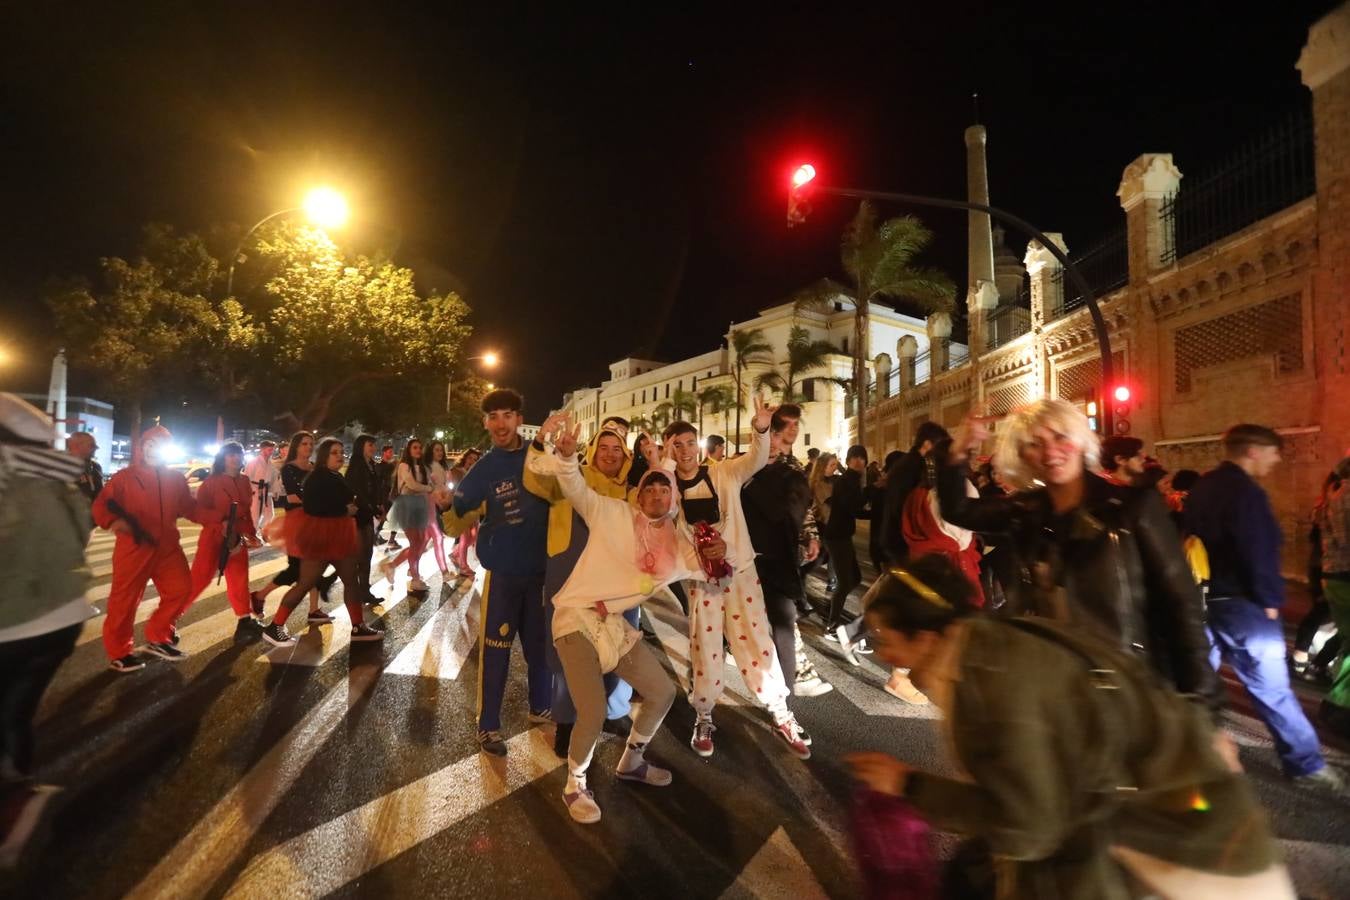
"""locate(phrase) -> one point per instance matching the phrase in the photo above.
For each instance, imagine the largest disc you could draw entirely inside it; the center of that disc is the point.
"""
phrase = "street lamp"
(490, 359)
(324, 206)
(803, 182)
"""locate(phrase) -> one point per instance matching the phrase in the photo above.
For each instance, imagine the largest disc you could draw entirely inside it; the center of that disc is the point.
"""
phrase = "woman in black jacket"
(1084, 551)
(364, 481)
(324, 533)
(294, 471)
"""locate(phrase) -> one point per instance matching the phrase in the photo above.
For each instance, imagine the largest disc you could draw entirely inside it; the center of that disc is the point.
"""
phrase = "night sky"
(599, 185)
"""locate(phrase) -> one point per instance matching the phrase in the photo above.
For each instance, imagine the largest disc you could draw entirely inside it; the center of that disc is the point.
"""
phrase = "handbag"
(894, 848)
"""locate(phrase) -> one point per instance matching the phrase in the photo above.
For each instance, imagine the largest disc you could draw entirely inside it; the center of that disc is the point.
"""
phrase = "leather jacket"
(1113, 565)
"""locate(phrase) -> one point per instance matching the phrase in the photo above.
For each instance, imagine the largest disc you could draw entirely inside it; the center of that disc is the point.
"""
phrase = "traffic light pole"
(1098, 323)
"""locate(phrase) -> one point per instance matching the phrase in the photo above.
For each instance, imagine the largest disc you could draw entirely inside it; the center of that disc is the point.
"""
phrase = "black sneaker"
(247, 629)
(277, 635)
(562, 739)
(129, 663)
(364, 632)
(622, 726)
(173, 635)
(491, 742)
(167, 651)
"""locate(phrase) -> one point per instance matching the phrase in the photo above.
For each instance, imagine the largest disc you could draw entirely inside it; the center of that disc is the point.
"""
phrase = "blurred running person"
(44, 525)
(438, 468)
(464, 543)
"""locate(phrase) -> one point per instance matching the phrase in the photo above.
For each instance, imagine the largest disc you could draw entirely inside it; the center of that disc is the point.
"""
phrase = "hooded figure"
(142, 504)
(636, 550)
(567, 536)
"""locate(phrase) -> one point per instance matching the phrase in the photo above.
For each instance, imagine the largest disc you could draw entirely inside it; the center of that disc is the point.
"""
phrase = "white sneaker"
(812, 687)
(845, 645)
(582, 807)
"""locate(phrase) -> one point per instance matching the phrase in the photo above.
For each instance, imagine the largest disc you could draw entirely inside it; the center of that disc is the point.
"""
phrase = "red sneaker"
(792, 736)
(701, 742)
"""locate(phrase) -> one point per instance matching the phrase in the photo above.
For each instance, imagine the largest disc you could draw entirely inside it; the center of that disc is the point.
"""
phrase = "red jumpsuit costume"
(157, 498)
(213, 510)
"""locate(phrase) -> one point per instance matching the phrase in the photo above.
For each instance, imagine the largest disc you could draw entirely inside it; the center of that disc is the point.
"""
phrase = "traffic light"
(798, 207)
(1122, 396)
(1094, 422)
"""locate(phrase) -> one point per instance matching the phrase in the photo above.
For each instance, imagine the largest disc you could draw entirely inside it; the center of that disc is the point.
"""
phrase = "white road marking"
(196, 862)
(776, 872)
(343, 849)
(441, 646)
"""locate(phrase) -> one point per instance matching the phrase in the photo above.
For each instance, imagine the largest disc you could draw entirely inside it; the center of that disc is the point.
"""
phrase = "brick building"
(1227, 299)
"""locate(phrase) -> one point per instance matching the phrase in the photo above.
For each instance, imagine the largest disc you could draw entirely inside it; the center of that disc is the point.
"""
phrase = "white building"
(636, 387)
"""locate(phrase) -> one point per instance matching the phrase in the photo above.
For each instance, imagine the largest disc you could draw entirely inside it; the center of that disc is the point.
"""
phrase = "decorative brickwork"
(1271, 328)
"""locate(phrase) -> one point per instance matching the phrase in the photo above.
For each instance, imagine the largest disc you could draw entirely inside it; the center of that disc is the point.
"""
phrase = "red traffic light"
(798, 207)
(1122, 394)
(803, 174)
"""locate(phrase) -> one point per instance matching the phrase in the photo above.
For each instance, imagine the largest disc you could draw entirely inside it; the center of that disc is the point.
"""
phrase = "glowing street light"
(326, 207)
(323, 206)
(489, 359)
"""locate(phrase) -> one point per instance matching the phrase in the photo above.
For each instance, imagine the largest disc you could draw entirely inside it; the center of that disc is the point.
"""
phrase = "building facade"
(653, 393)
(1226, 299)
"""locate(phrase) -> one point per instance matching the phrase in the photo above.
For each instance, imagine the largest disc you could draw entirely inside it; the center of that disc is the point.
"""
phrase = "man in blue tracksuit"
(512, 546)
(1230, 513)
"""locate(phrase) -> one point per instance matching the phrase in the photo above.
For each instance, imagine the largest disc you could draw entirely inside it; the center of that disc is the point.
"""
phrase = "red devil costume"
(213, 511)
(150, 499)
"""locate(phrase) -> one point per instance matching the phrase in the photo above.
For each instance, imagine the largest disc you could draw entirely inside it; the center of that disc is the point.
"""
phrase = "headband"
(920, 588)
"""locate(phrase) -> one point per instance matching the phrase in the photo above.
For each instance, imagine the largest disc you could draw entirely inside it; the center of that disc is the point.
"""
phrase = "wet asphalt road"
(352, 771)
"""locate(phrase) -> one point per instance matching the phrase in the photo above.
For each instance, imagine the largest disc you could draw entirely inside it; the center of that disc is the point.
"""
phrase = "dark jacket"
(1113, 565)
(90, 481)
(1231, 515)
(905, 476)
(847, 502)
(326, 494)
(1092, 751)
(292, 482)
(364, 482)
(775, 501)
(384, 484)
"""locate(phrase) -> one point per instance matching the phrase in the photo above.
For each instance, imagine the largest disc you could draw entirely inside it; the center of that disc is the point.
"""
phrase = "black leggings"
(27, 667)
(847, 575)
(782, 612)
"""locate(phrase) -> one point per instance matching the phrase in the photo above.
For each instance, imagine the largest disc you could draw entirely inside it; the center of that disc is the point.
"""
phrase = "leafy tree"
(336, 332)
(638, 424)
(749, 347)
(803, 355)
(139, 327)
(879, 262)
(715, 399)
(662, 414)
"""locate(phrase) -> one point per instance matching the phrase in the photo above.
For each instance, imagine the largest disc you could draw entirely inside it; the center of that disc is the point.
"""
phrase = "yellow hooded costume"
(540, 481)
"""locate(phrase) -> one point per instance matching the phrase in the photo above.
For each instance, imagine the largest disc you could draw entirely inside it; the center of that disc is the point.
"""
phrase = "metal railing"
(1005, 324)
(1105, 267)
(1269, 173)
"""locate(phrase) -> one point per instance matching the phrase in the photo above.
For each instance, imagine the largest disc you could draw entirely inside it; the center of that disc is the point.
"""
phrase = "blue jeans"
(1253, 645)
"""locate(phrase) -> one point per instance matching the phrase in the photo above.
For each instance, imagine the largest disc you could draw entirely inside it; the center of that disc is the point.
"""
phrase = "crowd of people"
(1065, 603)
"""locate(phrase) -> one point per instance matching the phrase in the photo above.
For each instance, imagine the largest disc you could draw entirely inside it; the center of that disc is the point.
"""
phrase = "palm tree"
(717, 399)
(879, 261)
(661, 415)
(803, 355)
(639, 424)
(683, 404)
(749, 347)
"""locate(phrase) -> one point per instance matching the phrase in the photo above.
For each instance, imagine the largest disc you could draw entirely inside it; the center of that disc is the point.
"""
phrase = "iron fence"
(1105, 267)
(1269, 173)
(1005, 324)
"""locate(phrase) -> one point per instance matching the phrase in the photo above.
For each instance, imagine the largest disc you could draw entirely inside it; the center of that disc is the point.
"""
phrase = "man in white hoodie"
(633, 551)
(733, 607)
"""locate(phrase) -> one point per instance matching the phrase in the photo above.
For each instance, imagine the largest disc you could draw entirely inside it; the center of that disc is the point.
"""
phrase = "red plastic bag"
(894, 848)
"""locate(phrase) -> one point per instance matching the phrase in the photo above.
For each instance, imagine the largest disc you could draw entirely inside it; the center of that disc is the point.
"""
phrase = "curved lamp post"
(323, 205)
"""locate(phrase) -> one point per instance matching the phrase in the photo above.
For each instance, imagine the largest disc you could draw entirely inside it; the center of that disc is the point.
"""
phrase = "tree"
(749, 347)
(639, 424)
(139, 328)
(332, 325)
(803, 355)
(661, 415)
(879, 261)
(717, 398)
(683, 404)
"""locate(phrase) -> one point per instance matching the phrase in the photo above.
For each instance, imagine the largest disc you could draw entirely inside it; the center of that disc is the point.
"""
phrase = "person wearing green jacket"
(44, 524)
(1086, 775)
